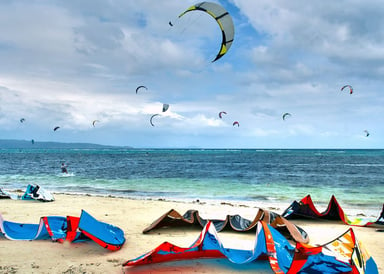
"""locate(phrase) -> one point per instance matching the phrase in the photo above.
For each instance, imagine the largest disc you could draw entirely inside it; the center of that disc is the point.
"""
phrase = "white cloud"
(72, 62)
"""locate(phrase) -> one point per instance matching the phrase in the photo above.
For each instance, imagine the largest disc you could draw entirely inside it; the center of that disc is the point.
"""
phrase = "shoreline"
(45, 256)
(352, 211)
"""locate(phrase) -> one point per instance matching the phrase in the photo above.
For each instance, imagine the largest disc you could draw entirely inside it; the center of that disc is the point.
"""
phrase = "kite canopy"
(236, 124)
(32, 192)
(56, 128)
(285, 115)
(221, 114)
(345, 254)
(94, 122)
(366, 133)
(232, 222)
(165, 107)
(140, 87)
(22, 120)
(307, 210)
(61, 229)
(150, 120)
(348, 86)
(224, 20)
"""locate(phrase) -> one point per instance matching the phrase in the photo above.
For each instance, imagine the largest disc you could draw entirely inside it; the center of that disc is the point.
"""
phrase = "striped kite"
(223, 18)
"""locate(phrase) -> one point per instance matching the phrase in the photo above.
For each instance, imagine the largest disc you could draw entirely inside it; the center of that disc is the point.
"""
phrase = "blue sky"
(67, 63)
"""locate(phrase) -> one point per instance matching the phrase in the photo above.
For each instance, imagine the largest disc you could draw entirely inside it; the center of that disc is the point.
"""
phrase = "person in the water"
(64, 168)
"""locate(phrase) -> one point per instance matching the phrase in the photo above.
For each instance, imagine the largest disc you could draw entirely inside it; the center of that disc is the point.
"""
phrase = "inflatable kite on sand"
(345, 254)
(306, 209)
(232, 222)
(60, 229)
(33, 192)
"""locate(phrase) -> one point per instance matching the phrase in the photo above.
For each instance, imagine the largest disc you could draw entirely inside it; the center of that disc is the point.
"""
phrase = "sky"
(68, 63)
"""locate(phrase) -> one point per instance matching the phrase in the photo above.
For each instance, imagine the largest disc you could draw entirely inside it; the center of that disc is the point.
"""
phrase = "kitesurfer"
(64, 168)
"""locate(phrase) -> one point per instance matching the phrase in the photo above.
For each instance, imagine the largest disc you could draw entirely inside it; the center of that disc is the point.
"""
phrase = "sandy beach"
(45, 256)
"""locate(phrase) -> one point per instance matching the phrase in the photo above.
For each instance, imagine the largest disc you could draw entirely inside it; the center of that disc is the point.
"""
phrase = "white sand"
(44, 256)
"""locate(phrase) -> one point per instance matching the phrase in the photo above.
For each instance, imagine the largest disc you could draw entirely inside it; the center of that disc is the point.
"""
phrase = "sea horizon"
(24, 143)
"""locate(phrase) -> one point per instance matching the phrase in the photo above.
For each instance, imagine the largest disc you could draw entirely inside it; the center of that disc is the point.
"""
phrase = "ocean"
(254, 177)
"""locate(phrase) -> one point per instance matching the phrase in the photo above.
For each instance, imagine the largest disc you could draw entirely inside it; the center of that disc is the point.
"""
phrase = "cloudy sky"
(68, 63)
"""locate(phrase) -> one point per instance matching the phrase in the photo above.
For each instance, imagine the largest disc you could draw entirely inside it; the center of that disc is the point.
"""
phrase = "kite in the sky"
(348, 86)
(221, 114)
(56, 128)
(140, 87)
(285, 115)
(236, 123)
(366, 133)
(165, 107)
(22, 120)
(223, 18)
(94, 122)
(150, 120)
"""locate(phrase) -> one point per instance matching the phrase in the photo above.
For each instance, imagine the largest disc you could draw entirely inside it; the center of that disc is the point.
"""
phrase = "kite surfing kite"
(66, 229)
(56, 128)
(305, 209)
(345, 254)
(236, 223)
(94, 122)
(22, 120)
(285, 115)
(150, 120)
(32, 192)
(348, 86)
(236, 123)
(223, 19)
(221, 114)
(366, 133)
(140, 87)
(165, 107)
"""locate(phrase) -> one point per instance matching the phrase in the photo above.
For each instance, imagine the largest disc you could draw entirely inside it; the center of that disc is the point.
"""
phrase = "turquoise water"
(257, 177)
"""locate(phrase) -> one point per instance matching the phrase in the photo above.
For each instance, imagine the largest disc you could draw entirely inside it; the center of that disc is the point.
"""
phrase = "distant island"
(19, 144)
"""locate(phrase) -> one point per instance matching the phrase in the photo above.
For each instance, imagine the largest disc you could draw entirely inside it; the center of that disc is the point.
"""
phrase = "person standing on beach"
(64, 168)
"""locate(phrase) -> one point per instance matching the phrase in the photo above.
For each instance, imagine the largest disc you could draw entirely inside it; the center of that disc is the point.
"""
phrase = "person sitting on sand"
(64, 168)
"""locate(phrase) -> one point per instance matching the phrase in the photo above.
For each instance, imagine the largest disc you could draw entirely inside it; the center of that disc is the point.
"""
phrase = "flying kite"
(94, 122)
(223, 18)
(221, 114)
(165, 107)
(366, 133)
(150, 120)
(285, 115)
(236, 123)
(56, 128)
(348, 86)
(139, 87)
(22, 120)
